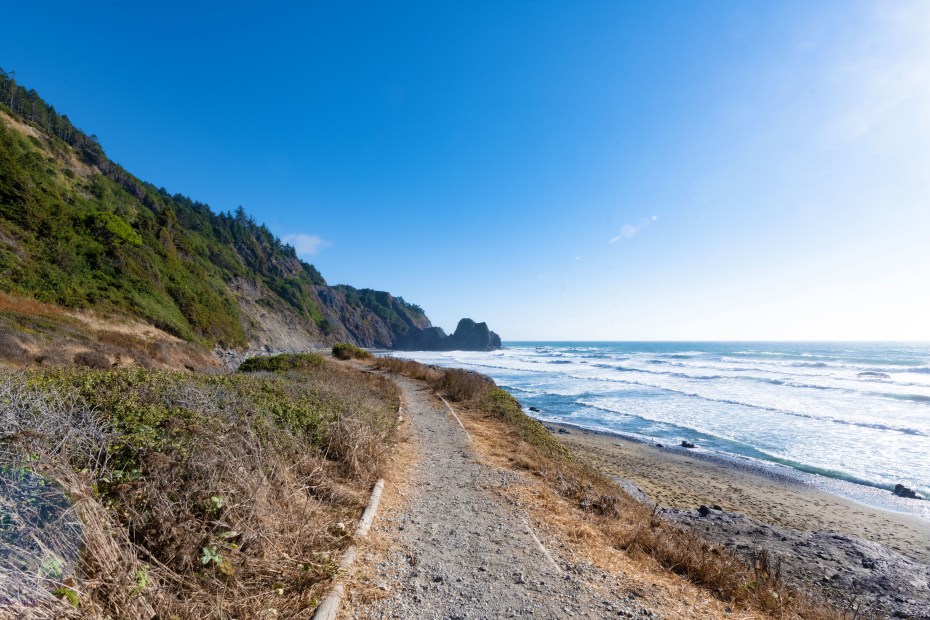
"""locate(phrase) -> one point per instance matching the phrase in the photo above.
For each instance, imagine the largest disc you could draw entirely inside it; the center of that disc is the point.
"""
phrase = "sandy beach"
(681, 479)
(860, 557)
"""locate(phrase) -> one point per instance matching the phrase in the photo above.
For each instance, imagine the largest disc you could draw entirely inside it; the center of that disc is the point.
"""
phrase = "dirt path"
(457, 550)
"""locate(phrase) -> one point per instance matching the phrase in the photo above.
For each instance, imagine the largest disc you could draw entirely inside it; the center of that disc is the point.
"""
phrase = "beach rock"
(536, 409)
(687, 444)
(902, 491)
(564, 432)
(870, 374)
(884, 582)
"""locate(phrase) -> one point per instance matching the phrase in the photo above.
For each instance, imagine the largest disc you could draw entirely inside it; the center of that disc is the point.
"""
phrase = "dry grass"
(603, 509)
(27, 306)
(409, 368)
(362, 588)
(34, 333)
(224, 496)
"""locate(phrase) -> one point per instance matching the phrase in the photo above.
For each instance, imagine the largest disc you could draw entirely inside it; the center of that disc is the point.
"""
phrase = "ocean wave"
(717, 377)
(803, 408)
(797, 414)
(831, 359)
(916, 398)
(778, 382)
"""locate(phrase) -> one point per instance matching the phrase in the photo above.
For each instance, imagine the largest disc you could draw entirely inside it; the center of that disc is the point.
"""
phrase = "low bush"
(348, 351)
(92, 359)
(409, 368)
(283, 362)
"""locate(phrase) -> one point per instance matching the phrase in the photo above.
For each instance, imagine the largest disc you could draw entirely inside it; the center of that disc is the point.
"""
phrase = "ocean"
(852, 418)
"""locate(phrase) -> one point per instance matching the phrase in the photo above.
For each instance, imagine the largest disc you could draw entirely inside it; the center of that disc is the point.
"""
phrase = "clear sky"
(563, 170)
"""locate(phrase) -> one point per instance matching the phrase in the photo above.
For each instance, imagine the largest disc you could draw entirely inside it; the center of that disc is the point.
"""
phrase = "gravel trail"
(460, 551)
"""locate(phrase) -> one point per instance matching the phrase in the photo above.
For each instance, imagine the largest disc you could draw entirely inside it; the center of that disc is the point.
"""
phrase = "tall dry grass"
(193, 496)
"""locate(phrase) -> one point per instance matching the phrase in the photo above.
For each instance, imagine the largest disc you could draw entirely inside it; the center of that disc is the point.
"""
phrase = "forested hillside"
(79, 231)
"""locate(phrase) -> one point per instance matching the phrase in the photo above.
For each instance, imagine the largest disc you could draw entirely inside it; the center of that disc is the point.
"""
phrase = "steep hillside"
(80, 232)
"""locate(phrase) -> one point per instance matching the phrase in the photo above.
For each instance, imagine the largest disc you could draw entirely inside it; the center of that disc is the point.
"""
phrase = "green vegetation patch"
(348, 351)
(282, 363)
(501, 404)
(106, 239)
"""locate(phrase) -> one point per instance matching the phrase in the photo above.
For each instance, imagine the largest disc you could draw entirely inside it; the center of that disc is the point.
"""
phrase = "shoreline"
(861, 493)
(848, 552)
(683, 479)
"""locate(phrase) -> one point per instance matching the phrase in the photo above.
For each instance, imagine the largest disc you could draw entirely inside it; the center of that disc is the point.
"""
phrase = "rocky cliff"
(79, 232)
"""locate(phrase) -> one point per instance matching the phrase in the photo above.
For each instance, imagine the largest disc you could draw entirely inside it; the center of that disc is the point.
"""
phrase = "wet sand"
(681, 479)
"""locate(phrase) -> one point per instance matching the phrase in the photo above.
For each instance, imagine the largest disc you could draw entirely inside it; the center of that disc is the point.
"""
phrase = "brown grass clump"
(197, 496)
(629, 525)
(27, 306)
(33, 333)
(409, 368)
(462, 385)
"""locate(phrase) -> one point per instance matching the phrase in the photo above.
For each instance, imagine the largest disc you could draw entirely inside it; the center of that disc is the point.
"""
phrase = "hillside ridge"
(80, 232)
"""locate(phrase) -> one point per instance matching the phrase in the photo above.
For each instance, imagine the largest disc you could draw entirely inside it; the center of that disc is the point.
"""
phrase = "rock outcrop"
(468, 336)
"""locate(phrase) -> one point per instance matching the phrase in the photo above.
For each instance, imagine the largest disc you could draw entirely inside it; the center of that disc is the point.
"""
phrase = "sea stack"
(468, 336)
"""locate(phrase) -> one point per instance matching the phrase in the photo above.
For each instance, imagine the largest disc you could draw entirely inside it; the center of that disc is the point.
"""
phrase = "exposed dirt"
(68, 156)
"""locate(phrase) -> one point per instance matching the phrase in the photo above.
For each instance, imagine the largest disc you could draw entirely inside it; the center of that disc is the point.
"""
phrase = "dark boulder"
(687, 444)
(536, 409)
(902, 491)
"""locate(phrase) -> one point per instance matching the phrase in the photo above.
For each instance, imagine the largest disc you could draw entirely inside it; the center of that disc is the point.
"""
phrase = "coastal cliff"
(80, 233)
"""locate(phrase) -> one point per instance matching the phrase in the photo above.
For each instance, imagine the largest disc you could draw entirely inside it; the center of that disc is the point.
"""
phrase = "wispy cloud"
(630, 230)
(305, 245)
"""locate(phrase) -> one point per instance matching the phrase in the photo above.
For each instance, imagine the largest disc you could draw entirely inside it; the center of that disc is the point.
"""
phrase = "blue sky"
(562, 170)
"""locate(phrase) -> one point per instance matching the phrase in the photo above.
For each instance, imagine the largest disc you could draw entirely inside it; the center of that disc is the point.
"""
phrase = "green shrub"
(283, 362)
(503, 405)
(348, 351)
